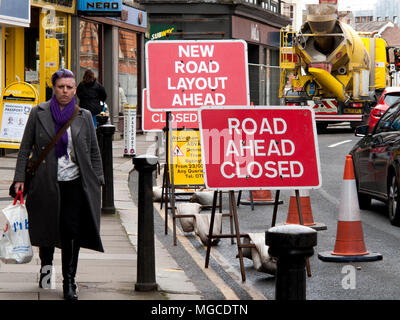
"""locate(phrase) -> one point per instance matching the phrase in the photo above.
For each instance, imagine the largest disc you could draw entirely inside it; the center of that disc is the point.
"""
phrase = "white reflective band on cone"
(348, 207)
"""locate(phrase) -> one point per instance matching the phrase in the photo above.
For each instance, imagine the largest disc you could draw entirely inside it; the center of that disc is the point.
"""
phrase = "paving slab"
(101, 276)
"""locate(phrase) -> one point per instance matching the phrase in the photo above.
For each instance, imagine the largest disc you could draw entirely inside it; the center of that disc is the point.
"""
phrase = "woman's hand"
(19, 186)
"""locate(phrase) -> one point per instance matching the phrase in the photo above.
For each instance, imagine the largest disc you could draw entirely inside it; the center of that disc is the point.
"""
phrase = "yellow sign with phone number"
(186, 158)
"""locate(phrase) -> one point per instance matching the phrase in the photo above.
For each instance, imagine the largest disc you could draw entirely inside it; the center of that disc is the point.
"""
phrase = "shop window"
(89, 47)
(127, 68)
(53, 53)
(56, 46)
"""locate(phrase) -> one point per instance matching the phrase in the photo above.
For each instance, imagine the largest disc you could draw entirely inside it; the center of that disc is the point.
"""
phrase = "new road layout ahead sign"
(249, 148)
(188, 74)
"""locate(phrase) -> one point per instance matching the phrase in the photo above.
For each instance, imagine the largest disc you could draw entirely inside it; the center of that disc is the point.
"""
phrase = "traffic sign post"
(185, 168)
(185, 75)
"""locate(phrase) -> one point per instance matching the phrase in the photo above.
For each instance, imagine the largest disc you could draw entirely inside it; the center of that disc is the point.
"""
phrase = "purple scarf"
(61, 117)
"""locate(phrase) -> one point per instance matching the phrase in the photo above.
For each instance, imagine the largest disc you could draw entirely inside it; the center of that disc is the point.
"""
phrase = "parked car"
(389, 96)
(376, 159)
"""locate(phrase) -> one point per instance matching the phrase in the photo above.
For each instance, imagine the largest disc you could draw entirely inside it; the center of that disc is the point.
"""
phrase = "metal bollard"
(146, 274)
(291, 245)
(105, 134)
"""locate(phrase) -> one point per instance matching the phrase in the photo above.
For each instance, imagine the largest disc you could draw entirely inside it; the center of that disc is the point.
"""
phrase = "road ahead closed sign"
(248, 148)
(185, 75)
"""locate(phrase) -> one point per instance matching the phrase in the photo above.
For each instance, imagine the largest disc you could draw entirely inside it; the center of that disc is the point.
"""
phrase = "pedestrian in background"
(90, 93)
(122, 100)
(64, 196)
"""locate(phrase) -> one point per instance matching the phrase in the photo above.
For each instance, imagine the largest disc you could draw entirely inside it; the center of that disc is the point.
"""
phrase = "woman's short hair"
(88, 76)
(62, 73)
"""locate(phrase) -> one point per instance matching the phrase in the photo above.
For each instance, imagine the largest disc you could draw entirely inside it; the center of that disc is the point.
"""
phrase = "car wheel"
(364, 201)
(393, 201)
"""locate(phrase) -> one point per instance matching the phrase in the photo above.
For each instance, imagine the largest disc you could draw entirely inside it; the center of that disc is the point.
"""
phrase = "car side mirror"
(361, 131)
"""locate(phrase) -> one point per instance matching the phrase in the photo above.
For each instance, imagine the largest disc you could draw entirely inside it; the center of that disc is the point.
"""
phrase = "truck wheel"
(321, 127)
(393, 201)
(354, 125)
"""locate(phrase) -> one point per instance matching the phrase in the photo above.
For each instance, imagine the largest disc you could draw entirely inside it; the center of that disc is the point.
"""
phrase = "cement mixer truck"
(329, 66)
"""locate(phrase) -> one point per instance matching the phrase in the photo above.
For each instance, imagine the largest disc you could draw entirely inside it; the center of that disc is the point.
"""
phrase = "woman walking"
(91, 94)
(64, 196)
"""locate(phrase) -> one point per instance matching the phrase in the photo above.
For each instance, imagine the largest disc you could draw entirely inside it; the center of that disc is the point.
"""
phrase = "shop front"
(257, 24)
(263, 58)
(15, 17)
(17, 98)
(113, 47)
(41, 48)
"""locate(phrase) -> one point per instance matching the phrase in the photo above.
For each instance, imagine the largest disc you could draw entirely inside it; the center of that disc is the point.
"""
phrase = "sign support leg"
(276, 203)
(171, 171)
(238, 199)
(236, 221)
(166, 171)
(251, 200)
(173, 211)
(166, 197)
(210, 232)
(163, 188)
(231, 224)
(301, 222)
(236, 234)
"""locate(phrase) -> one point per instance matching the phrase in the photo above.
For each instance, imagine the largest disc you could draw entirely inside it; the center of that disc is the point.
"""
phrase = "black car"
(376, 159)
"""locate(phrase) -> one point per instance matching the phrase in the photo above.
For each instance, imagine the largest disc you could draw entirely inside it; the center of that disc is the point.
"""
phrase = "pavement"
(101, 276)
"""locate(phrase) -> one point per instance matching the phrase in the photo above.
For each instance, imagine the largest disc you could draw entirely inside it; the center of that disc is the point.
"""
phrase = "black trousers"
(73, 216)
(73, 210)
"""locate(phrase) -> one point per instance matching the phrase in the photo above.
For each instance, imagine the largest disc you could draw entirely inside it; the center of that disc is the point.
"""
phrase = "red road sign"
(156, 121)
(248, 148)
(188, 74)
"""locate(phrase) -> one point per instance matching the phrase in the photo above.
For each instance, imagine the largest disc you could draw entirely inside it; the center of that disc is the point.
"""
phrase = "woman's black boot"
(69, 259)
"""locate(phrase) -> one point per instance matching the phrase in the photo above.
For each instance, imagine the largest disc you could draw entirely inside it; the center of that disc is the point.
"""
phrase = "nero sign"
(259, 148)
(100, 8)
(185, 75)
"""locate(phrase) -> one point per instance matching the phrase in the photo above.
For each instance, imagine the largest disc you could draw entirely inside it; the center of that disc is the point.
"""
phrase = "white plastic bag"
(15, 245)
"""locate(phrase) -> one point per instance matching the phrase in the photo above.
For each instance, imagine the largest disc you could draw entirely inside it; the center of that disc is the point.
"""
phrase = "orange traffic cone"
(261, 195)
(258, 197)
(349, 244)
(305, 203)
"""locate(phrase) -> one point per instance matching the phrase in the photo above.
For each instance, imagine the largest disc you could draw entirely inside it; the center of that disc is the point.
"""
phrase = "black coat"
(90, 95)
(43, 199)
